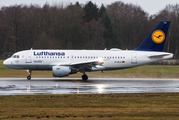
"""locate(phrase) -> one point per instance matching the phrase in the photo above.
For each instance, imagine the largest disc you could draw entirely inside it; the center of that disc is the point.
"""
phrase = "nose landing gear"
(29, 76)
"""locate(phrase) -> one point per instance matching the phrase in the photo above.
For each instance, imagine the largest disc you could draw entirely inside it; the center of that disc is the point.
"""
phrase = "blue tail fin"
(155, 41)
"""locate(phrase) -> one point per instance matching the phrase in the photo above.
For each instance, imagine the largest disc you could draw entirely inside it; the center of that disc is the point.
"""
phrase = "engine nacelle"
(97, 68)
(61, 71)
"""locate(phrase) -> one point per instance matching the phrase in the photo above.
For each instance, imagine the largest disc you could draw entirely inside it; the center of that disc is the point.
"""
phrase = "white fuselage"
(112, 59)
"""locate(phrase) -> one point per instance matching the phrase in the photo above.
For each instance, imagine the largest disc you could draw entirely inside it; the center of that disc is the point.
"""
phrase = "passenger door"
(29, 57)
(134, 58)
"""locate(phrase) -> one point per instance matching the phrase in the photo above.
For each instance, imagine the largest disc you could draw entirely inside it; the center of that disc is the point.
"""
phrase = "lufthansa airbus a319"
(66, 62)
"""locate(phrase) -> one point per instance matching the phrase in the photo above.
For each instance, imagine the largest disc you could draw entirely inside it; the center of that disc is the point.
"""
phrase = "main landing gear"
(29, 76)
(84, 77)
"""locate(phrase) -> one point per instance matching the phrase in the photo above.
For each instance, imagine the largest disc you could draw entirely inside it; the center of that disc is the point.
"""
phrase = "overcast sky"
(150, 6)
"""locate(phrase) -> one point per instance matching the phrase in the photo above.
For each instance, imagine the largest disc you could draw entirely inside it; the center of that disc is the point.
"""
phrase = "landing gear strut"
(29, 76)
(85, 77)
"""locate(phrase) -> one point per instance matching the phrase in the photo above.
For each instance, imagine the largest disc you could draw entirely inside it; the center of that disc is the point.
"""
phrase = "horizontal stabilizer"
(160, 55)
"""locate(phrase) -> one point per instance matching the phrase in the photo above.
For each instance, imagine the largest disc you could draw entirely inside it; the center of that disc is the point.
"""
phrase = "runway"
(21, 86)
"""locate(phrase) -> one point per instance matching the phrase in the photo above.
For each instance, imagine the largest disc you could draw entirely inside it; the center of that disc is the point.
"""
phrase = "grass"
(91, 106)
(146, 71)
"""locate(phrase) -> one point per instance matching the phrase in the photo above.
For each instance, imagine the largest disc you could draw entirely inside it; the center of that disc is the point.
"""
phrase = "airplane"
(66, 62)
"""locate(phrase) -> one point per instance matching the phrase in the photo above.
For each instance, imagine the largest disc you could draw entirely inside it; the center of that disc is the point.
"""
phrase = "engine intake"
(61, 71)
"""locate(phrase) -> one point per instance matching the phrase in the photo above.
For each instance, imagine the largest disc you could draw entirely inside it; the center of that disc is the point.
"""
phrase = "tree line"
(78, 26)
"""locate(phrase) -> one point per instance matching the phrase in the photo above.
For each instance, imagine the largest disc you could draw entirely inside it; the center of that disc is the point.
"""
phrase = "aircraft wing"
(94, 62)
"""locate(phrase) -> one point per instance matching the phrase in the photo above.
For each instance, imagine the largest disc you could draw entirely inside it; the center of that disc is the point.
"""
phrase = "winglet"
(155, 41)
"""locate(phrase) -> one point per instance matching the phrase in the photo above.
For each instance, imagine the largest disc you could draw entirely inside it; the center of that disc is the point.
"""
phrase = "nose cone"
(6, 63)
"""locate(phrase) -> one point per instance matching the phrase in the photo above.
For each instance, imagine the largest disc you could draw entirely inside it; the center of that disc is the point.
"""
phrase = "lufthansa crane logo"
(158, 36)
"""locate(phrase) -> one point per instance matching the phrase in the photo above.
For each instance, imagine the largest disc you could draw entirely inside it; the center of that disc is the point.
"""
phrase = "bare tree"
(94, 34)
(129, 21)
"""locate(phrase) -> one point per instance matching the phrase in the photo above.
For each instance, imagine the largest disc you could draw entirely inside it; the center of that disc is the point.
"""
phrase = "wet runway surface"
(21, 86)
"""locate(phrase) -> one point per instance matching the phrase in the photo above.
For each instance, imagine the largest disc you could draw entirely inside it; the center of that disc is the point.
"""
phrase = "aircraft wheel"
(85, 77)
(28, 77)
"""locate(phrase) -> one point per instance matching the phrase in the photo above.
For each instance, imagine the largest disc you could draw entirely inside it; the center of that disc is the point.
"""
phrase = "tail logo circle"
(158, 36)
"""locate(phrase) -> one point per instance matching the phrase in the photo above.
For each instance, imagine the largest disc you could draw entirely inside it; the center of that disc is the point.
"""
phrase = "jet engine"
(62, 71)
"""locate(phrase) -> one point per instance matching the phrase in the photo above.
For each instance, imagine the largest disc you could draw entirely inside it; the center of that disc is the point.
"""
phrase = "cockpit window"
(15, 56)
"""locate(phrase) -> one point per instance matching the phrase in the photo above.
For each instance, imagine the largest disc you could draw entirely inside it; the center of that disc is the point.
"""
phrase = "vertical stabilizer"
(155, 41)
